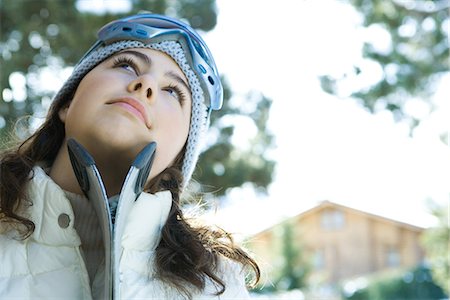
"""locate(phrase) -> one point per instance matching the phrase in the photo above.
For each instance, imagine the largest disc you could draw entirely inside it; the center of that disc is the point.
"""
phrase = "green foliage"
(54, 34)
(223, 161)
(416, 284)
(417, 56)
(200, 13)
(293, 271)
(436, 241)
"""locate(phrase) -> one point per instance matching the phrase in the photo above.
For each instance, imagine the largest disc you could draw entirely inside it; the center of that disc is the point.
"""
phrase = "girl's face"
(134, 97)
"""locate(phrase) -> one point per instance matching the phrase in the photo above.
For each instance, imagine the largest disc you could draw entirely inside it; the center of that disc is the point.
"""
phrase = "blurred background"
(330, 158)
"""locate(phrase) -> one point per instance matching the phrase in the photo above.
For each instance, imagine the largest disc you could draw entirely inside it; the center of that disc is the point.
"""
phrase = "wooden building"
(340, 243)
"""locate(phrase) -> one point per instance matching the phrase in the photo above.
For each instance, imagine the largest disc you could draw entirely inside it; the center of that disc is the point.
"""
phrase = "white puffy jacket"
(49, 264)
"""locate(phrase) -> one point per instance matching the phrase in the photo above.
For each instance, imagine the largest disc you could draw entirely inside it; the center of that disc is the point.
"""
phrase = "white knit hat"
(199, 113)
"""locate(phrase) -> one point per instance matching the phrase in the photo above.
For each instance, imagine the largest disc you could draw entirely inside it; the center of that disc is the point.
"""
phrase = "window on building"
(392, 257)
(332, 219)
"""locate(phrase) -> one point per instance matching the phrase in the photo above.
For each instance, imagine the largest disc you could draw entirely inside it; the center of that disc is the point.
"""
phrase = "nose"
(143, 86)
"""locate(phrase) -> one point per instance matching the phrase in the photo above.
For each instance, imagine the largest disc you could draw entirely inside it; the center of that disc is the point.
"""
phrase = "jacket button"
(63, 220)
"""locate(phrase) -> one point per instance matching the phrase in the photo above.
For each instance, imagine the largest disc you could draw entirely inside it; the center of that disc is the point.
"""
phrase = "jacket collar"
(53, 216)
(51, 212)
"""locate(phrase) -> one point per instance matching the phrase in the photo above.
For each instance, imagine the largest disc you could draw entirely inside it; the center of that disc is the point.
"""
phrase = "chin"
(125, 146)
(113, 144)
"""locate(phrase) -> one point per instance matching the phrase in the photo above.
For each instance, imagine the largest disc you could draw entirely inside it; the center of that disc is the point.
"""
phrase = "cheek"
(94, 84)
(93, 89)
(171, 137)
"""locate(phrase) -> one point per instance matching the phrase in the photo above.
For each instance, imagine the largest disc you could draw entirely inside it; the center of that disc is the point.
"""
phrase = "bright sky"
(327, 148)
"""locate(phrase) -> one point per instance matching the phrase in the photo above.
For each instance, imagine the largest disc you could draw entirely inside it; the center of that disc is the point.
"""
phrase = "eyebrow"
(139, 55)
(178, 79)
(147, 60)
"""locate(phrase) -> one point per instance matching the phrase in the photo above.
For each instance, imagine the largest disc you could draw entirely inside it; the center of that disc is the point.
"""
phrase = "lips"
(133, 106)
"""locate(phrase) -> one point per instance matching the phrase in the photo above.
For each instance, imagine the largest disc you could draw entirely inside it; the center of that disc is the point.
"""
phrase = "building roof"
(326, 204)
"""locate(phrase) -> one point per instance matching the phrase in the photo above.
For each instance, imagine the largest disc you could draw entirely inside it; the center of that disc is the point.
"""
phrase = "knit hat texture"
(198, 124)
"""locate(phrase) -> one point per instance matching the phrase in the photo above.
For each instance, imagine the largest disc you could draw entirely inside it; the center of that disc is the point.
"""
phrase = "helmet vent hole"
(211, 80)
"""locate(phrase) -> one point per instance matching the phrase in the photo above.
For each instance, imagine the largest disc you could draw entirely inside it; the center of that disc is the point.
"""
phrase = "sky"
(327, 148)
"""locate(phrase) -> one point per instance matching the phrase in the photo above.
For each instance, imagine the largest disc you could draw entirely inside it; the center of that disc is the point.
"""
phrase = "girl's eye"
(126, 63)
(176, 92)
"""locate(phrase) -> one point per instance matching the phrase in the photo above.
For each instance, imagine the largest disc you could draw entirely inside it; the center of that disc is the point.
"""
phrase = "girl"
(148, 78)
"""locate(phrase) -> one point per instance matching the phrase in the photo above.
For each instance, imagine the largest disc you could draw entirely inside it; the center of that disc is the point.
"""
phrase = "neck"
(111, 170)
